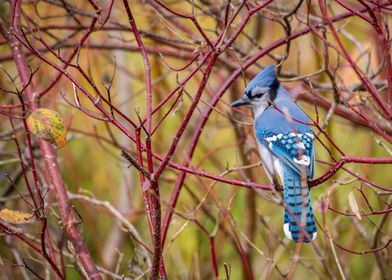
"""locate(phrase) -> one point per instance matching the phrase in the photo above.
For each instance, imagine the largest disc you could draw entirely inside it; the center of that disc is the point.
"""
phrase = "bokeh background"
(239, 225)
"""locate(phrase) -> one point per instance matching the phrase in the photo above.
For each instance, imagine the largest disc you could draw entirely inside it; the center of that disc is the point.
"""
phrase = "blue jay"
(285, 140)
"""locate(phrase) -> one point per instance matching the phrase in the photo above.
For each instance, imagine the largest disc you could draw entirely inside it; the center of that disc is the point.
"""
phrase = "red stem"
(48, 152)
(364, 79)
(158, 267)
(204, 117)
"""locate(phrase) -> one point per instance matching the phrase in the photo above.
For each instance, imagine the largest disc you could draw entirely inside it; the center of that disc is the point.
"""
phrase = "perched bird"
(285, 140)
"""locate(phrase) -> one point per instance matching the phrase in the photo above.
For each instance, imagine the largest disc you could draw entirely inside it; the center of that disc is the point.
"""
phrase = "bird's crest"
(264, 79)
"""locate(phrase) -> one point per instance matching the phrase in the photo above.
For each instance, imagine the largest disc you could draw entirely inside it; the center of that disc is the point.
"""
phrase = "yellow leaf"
(47, 125)
(354, 205)
(15, 217)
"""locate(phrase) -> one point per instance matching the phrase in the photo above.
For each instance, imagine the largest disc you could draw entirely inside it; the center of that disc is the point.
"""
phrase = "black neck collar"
(273, 92)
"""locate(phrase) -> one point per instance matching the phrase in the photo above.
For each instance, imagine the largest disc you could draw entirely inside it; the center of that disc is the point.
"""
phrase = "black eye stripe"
(248, 93)
(258, 95)
(271, 90)
(261, 92)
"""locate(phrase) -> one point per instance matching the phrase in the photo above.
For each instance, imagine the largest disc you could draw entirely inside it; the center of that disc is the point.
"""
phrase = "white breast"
(271, 164)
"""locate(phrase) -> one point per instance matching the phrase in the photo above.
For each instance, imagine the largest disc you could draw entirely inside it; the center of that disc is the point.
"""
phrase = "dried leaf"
(47, 125)
(15, 217)
(354, 205)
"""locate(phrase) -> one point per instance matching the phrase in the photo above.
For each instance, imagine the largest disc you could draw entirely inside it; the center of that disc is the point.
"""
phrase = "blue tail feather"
(297, 201)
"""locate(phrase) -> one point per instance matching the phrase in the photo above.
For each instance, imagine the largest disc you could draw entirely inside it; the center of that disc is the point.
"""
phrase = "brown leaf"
(354, 205)
(16, 217)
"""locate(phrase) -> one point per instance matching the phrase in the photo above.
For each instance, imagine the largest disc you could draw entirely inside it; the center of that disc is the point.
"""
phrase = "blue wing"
(288, 140)
(292, 149)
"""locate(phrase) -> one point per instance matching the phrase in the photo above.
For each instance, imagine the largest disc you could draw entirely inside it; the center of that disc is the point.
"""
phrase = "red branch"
(48, 153)
(157, 266)
(211, 54)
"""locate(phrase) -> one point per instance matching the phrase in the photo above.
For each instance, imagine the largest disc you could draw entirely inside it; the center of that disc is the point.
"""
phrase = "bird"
(285, 139)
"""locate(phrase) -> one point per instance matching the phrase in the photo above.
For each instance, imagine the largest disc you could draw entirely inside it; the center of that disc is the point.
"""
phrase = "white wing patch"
(299, 145)
(272, 138)
(280, 135)
(310, 135)
(292, 141)
(303, 160)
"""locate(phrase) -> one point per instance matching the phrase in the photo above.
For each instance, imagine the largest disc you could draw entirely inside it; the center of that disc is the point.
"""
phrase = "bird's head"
(261, 91)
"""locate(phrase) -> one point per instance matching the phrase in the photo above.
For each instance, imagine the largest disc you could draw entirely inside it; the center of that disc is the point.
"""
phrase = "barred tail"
(297, 201)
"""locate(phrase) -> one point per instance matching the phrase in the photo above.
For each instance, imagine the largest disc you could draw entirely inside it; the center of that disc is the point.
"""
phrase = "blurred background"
(85, 63)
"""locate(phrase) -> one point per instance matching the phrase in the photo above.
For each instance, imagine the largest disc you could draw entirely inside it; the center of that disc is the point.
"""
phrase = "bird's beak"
(244, 100)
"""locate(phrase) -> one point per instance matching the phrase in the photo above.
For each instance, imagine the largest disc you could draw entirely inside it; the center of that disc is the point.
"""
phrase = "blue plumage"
(265, 78)
(287, 118)
(285, 139)
(298, 205)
